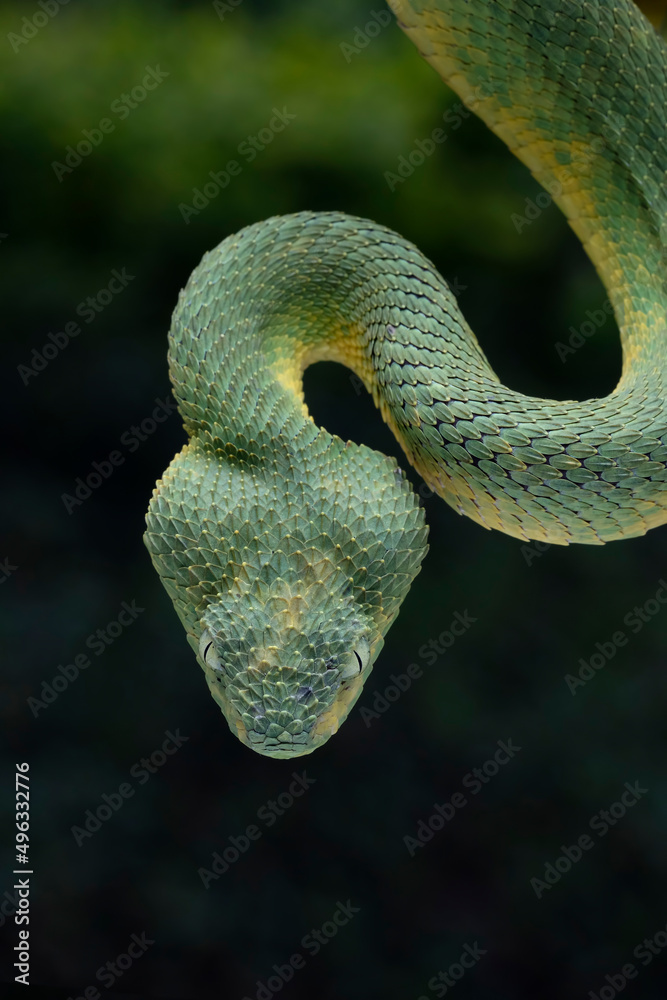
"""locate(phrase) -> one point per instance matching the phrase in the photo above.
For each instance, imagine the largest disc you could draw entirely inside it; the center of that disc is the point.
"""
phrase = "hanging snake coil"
(286, 551)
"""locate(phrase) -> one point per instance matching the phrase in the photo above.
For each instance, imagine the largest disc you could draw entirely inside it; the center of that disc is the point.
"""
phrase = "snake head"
(286, 679)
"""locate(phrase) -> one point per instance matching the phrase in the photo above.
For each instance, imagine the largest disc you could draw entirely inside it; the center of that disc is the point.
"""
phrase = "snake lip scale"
(286, 551)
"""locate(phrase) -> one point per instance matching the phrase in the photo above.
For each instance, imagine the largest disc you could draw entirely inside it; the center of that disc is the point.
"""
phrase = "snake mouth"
(301, 723)
(289, 710)
(282, 744)
(280, 750)
(284, 751)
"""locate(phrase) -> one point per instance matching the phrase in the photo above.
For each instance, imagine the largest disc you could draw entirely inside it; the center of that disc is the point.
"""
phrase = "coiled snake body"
(286, 551)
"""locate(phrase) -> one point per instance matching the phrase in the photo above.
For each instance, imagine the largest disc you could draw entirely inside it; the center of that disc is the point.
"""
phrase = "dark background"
(537, 612)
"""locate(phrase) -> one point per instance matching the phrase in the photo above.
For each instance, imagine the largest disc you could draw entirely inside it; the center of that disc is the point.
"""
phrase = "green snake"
(286, 551)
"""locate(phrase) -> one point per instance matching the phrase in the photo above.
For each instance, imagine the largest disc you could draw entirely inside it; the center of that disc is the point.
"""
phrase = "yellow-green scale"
(287, 552)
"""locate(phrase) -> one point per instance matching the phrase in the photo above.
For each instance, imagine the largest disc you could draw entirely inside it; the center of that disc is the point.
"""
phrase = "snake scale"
(286, 551)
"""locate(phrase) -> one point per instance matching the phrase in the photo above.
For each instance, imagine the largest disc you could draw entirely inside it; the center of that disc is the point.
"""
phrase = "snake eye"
(357, 661)
(207, 651)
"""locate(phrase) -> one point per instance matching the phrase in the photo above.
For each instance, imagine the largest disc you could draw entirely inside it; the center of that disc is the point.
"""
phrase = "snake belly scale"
(286, 551)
